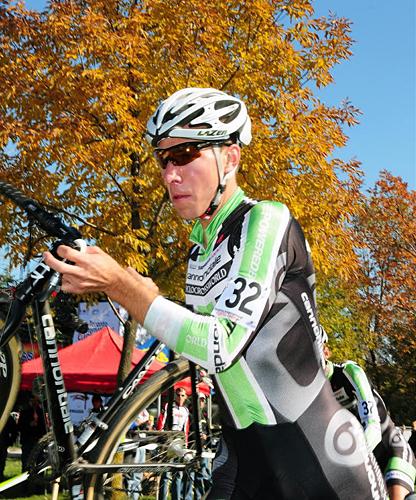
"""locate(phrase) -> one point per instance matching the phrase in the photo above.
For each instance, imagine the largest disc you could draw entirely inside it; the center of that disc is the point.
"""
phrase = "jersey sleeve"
(401, 466)
(367, 406)
(214, 341)
(161, 420)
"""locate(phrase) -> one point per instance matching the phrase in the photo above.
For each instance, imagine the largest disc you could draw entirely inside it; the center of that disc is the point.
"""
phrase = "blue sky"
(379, 79)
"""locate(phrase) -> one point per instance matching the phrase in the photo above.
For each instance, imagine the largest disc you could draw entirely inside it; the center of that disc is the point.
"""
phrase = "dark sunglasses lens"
(178, 155)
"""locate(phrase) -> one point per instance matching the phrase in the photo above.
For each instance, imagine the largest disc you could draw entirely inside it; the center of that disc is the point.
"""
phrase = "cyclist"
(412, 439)
(354, 391)
(250, 284)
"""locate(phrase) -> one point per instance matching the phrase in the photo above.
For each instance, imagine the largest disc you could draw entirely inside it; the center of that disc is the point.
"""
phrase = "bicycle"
(92, 462)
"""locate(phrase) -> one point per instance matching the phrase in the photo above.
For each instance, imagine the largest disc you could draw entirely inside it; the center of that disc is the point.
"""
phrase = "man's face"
(191, 187)
(180, 398)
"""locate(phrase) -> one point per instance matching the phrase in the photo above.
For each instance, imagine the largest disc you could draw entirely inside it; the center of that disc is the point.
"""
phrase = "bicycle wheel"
(165, 451)
(9, 378)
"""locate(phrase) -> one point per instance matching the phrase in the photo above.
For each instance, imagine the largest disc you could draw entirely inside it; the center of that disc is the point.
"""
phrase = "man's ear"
(232, 158)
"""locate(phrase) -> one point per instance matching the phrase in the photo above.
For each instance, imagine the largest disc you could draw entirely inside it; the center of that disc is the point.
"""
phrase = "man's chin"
(186, 213)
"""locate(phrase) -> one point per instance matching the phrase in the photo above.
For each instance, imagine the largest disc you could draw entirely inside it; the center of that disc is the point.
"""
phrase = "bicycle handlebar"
(50, 223)
(36, 281)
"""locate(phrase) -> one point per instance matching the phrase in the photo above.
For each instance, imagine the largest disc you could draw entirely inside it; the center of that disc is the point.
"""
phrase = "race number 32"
(243, 293)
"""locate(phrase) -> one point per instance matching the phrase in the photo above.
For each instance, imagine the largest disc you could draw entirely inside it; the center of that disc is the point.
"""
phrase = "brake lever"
(34, 283)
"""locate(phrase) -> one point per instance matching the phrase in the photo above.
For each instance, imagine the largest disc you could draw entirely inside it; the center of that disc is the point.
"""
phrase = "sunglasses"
(184, 153)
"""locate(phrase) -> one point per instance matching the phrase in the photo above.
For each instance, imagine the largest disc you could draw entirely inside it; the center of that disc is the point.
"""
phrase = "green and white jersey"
(250, 284)
(354, 391)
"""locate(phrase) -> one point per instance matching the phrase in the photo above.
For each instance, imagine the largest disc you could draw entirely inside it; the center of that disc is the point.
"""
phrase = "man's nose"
(171, 173)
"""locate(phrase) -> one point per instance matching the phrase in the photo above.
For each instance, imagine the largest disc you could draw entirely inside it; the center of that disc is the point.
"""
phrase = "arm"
(397, 492)
(400, 471)
(96, 271)
(186, 428)
(159, 424)
(161, 419)
(212, 341)
(367, 406)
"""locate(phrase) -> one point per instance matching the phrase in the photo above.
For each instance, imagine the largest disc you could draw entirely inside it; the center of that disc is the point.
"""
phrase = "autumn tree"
(81, 79)
(341, 314)
(371, 318)
(387, 230)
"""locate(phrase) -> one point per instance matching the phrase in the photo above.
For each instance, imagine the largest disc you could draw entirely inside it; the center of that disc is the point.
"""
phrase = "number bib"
(241, 302)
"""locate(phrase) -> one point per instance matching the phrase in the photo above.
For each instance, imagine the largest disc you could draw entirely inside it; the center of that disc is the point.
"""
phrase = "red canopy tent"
(91, 365)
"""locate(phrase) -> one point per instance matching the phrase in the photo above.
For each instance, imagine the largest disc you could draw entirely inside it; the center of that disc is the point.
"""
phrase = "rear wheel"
(155, 452)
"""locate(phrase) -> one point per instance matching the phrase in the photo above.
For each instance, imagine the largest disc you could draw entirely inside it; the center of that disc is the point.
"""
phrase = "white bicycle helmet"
(204, 114)
(200, 113)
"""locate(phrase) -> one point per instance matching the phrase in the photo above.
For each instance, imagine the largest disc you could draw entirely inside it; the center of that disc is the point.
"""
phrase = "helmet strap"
(214, 203)
(222, 181)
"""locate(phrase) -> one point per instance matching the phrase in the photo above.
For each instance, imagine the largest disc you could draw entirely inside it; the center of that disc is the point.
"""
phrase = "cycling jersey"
(251, 286)
(393, 453)
(180, 419)
(352, 389)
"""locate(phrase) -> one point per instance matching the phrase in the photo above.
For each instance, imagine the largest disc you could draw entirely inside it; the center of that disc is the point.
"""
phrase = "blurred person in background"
(31, 426)
(353, 389)
(180, 422)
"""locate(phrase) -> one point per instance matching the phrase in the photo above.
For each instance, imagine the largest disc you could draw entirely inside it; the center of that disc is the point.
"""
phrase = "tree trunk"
(128, 346)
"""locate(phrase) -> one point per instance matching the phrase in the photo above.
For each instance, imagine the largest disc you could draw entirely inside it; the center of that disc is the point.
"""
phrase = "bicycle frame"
(98, 422)
(34, 291)
(67, 448)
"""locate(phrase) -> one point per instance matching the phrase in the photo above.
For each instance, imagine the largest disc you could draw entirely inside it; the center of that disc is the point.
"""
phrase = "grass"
(21, 491)
(24, 491)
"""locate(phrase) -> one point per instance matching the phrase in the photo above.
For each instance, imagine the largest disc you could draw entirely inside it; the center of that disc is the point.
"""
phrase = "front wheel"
(162, 454)
(10, 374)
